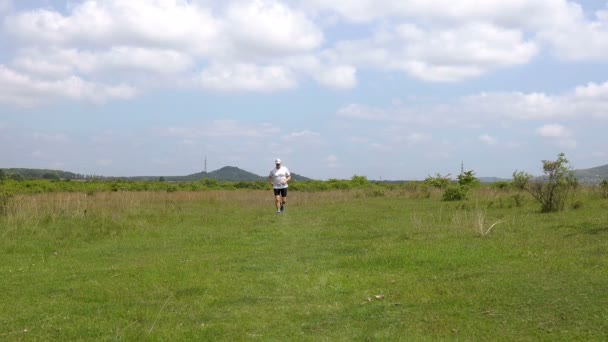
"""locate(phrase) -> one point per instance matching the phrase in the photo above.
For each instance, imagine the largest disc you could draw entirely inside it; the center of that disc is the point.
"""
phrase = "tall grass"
(363, 264)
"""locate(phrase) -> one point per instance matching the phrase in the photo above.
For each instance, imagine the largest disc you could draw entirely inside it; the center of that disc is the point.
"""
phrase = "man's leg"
(283, 198)
(278, 202)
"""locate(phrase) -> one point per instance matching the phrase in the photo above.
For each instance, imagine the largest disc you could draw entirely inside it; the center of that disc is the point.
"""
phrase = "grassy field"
(337, 265)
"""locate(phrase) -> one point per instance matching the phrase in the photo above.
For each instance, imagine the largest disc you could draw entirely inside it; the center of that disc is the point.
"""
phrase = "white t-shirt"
(279, 177)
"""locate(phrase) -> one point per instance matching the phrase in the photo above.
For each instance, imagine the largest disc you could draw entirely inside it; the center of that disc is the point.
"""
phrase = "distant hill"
(226, 173)
(492, 179)
(594, 175)
(20, 173)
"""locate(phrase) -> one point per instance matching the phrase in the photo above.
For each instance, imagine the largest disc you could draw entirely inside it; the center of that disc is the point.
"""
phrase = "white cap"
(277, 161)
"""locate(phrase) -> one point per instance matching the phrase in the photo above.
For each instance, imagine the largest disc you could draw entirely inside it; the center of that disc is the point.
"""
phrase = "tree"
(553, 189)
(466, 180)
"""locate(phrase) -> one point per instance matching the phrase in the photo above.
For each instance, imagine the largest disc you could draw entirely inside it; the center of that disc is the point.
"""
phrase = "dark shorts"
(282, 192)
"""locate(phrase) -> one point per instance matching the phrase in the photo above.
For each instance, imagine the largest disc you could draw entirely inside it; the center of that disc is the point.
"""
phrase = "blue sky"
(388, 89)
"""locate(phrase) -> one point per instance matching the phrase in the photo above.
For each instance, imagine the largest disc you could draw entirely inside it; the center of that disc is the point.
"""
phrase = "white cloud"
(531, 14)
(560, 24)
(560, 134)
(488, 139)
(23, 90)
(576, 38)
(65, 62)
(156, 23)
(267, 45)
(332, 162)
(592, 91)
(475, 111)
(268, 27)
(435, 53)
(553, 131)
(247, 77)
(303, 137)
(361, 112)
(340, 77)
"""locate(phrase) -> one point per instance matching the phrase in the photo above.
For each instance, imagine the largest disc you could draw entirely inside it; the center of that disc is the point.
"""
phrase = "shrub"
(553, 189)
(438, 181)
(455, 193)
(501, 185)
(604, 188)
(359, 181)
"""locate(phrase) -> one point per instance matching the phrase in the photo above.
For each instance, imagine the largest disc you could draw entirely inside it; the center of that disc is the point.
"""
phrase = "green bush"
(455, 193)
(438, 181)
(604, 188)
(502, 185)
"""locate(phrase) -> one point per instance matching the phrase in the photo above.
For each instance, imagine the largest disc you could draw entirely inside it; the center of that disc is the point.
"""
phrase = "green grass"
(223, 266)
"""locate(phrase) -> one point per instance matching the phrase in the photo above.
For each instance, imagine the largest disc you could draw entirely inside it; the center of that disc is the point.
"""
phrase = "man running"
(279, 177)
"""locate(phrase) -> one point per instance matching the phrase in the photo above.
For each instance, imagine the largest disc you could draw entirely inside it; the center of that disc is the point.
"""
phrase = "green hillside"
(594, 175)
(22, 173)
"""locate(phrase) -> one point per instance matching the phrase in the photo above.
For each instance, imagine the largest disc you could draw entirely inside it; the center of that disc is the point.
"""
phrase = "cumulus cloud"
(339, 77)
(559, 134)
(247, 77)
(270, 27)
(23, 90)
(303, 137)
(488, 139)
(577, 38)
(437, 54)
(553, 131)
(157, 23)
(588, 101)
(56, 62)
(361, 112)
(521, 13)
(269, 45)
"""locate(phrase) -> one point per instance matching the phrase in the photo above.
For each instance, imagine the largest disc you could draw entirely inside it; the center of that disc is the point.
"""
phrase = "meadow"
(374, 264)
